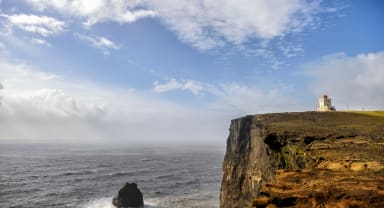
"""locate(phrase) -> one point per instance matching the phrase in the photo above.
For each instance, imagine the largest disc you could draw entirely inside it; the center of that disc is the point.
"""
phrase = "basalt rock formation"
(308, 159)
(129, 197)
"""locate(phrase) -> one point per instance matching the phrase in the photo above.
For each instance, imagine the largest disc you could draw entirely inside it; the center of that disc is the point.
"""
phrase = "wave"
(146, 159)
(90, 181)
(123, 173)
(106, 202)
(99, 203)
(171, 175)
(130, 173)
(188, 182)
(82, 172)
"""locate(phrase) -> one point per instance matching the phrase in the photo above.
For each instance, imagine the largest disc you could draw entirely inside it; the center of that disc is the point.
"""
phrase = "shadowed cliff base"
(308, 159)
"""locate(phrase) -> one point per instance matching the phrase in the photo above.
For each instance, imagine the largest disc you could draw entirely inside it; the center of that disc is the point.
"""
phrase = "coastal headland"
(305, 159)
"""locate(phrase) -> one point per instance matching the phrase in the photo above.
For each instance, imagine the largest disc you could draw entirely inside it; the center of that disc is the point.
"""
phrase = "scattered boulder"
(129, 197)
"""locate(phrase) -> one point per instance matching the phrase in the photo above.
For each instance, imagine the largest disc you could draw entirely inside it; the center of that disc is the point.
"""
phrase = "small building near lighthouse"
(325, 104)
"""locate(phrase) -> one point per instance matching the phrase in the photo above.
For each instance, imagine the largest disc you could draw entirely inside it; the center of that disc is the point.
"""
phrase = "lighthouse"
(325, 104)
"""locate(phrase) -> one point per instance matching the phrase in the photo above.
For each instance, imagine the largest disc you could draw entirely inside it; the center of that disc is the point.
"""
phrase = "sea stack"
(129, 197)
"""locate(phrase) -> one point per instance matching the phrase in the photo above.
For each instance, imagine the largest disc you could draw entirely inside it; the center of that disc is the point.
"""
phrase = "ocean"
(34, 176)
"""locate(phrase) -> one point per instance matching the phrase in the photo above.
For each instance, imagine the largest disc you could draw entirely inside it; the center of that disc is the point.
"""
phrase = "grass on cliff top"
(369, 113)
(347, 123)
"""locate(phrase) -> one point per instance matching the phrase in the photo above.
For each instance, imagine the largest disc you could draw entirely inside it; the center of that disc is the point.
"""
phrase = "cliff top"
(326, 124)
(305, 159)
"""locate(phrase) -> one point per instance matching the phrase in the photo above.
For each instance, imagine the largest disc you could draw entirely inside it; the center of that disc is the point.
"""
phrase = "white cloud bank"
(3, 49)
(39, 106)
(39, 41)
(205, 24)
(251, 99)
(96, 11)
(98, 42)
(236, 98)
(172, 85)
(356, 81)
(43, 25)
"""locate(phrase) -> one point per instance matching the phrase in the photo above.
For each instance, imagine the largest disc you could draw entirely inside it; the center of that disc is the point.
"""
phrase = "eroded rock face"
(246, 164)
(129, 197)
(305, 159)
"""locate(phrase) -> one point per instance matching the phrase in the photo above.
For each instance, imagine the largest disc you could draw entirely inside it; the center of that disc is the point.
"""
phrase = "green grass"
(369, 113)
(346, 123)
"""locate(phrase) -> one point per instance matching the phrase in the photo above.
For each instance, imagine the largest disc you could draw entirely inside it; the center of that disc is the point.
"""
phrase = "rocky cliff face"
(309, 159)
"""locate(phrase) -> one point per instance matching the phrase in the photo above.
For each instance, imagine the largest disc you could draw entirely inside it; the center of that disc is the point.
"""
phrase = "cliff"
(308, 159)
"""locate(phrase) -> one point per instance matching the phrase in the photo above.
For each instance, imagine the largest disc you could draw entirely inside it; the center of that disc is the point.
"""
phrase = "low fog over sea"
(84, 177)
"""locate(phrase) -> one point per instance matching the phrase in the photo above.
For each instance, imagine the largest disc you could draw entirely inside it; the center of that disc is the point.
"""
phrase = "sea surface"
(34, 176)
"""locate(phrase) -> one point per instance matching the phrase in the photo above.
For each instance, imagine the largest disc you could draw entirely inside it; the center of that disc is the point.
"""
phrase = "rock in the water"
(129, 196)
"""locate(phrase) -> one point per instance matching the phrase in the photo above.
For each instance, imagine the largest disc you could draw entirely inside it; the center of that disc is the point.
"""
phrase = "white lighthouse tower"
(325, 104)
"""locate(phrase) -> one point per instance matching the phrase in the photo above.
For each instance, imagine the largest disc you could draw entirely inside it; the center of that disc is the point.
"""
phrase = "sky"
(151, 72)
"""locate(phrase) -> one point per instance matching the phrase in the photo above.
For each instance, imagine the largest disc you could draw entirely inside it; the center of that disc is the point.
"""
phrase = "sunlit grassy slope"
(370, 113)
(345, 123)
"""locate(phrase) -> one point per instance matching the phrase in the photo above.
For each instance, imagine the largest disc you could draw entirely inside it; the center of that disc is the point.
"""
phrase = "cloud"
(21, 71)
(1, 87)
(207, 24)
(268, 55)
(98, 42)
(39, 106)
(40, 42)
(43, 25)
(97, 11)
(172, 85)
(3, 49)
(239, 99)
(252, 99)
(290, 50)
(356, 81)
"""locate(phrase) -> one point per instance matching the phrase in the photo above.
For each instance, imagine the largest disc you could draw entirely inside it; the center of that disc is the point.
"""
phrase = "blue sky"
(146, 71)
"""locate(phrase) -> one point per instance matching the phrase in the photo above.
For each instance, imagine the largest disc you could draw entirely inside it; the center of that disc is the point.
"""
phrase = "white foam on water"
(106, 202)
(151, 203)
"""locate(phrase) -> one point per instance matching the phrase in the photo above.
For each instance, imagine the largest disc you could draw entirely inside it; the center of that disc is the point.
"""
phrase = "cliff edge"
(306, 159)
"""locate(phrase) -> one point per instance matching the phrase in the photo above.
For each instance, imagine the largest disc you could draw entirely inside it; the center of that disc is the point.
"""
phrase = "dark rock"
(128, 197)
